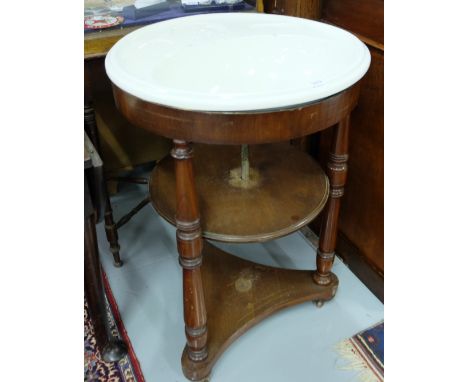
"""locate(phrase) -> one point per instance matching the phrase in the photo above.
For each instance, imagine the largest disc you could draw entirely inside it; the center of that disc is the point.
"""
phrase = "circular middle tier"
(286, 189)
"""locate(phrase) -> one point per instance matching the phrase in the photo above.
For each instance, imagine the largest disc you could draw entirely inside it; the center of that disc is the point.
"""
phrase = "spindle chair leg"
(110, 226)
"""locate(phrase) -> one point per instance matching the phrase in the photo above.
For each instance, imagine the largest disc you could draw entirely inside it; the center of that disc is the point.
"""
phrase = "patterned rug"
(95, 369)
(364, 352)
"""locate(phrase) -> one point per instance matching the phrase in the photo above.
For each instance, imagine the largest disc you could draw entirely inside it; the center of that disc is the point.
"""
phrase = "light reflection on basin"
(236, 62)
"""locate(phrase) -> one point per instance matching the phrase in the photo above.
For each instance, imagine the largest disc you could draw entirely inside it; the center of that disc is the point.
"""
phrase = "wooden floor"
(291, 345)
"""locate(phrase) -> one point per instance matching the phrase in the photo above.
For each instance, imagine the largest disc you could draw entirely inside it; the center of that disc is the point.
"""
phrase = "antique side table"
(237, 85)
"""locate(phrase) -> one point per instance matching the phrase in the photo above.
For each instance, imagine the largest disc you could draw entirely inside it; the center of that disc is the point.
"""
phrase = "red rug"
(95, 369)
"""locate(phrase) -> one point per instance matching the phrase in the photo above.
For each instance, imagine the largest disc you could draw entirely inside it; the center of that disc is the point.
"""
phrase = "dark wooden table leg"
(111, 232)
(110, 226)
(336, 170)
(111, 348)
(189, 244)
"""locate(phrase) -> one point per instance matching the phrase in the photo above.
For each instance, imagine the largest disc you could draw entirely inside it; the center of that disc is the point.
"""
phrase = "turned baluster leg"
(336, 171)
(110, 226)
(189, 244)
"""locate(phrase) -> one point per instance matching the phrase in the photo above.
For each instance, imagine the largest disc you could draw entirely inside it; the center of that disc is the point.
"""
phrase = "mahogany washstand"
(293, 78)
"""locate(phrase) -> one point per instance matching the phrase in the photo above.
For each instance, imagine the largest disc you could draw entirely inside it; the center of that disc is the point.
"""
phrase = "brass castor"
(319, 303)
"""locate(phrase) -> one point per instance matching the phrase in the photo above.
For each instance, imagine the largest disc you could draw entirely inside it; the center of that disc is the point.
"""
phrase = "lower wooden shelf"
(239, 294)
(285, 191)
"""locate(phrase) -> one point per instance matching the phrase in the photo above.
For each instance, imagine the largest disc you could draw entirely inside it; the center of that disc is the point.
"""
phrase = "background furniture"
(113, 174)
(111, 348)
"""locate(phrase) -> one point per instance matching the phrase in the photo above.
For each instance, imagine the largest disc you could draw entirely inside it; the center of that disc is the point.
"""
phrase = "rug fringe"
(355, 362)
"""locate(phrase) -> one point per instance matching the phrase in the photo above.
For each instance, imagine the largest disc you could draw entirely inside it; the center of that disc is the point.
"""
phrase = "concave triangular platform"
(239, 294)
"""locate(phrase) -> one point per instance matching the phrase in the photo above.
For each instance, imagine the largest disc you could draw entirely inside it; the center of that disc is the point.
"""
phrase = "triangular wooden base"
(239, 294)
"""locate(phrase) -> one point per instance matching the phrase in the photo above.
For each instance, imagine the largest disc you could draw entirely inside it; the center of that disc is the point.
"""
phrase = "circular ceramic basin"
(236, 62)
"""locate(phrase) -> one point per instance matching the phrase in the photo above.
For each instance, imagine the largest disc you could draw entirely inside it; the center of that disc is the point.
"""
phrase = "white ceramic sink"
(236, 62)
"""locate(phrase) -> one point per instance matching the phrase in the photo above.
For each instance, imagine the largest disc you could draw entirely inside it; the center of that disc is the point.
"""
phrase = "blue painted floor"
(293, 345)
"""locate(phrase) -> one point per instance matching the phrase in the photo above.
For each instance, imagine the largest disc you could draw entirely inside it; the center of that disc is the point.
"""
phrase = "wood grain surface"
(239, 294)
(364, 17)
(249, 127)
(287, 189)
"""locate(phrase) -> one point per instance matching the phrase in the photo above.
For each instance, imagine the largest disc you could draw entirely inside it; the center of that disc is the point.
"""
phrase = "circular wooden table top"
(237, 78)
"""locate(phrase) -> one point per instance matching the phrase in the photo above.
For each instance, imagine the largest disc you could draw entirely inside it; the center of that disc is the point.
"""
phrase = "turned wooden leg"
(111, 233)
(336, 171)
(110, 226)
(189, 245)
(112, 349)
